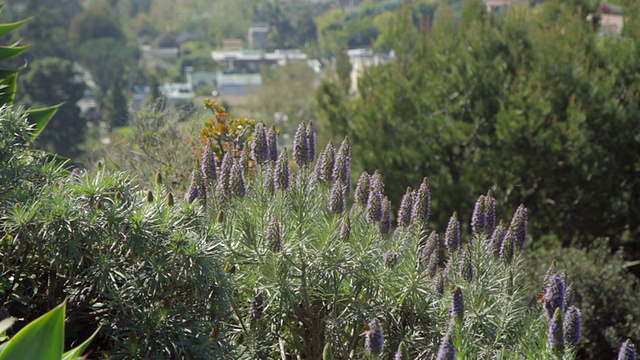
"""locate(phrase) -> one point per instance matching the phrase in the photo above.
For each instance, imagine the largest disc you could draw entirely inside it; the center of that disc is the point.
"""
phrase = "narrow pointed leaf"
(8, 89)
(78, 350)
(43, 338)
(8, 52)
(40, 117)
(7, 28)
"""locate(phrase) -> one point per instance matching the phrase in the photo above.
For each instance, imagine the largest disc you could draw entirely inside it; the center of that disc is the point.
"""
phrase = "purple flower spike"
(193, 192)
(490, 211)
(272, 144)
(374, 338)
(421, 204)
(452, 235)
(311, 143)
(345, 229)
(569, 296)
(572, 326)
(342, 166)
(324, 166)
(518, 226)
(256, 310)
(391, 259)
(374, 205)
(282, 171)
(465, 267)
(259, 144)
(431, 246)
(497, 238)
(300, 150)
(274, 235)
(507, 248)
(209, 171)
(554, 295)
(336, 199)
(404, 212)
(446, 351)
(237, 183)
(385, 223)
(437, 285)
(627, 351)
(478, 220)
(362, 189)
(224, 180)
(457, 306)
(555, 336)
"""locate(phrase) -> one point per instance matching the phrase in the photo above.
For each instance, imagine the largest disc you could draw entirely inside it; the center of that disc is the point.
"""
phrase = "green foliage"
(143, 268)
(43, 338)
(533, 104)
(606, 293)
(308, 277)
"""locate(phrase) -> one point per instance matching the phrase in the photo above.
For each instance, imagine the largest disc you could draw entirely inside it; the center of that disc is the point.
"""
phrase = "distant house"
(611, 19)
(359, 59)
(497, 6)
(258, 36)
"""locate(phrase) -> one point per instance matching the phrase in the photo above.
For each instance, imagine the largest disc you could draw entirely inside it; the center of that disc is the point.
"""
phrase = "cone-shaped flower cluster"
(224, 180)
(452, 235)
(421, 204)
(281, 175)
(484, 214)
(323, 171)
(336, 199)
(446, 351)
(374, 203)
(554, 295)
(429, 255)
(627, 351)
(274, 235)
(374, 338)
(209, 169)
(193, 192)
(256, 309)
(572, 326)
(465, 266)
(272, 144)
(362, 189)
(404, 212)
(391, 259)
(342, 166)
(259, 144)
(237, 183)
(385, 223)
(555, 336)
(457, 307)
(300, 146)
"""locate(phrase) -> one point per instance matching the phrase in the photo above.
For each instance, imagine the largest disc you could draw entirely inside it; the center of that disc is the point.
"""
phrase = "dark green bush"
(144, 268)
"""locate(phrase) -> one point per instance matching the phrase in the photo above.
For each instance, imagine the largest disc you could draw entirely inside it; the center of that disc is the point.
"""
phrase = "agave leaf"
(42, 338)
(8, 52)
(7, 28)
(78, 350)
(40, 118)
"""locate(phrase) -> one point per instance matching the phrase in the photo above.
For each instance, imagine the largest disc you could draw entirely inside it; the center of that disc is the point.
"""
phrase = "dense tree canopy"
(534, 104)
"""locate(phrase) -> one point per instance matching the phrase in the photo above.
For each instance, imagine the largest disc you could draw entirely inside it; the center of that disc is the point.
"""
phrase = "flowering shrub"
(318, 274)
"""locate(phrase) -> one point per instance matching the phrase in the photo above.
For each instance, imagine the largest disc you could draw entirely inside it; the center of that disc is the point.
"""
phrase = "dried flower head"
(259, 149)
